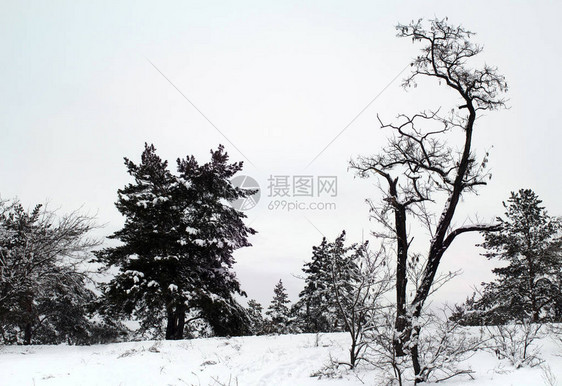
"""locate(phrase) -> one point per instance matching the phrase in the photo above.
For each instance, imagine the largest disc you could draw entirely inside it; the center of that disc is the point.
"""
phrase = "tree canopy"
(530, 241)
(177, 243)
(43, 292)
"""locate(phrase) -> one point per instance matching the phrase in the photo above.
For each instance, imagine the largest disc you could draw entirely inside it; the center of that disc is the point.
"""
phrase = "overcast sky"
(280, 80)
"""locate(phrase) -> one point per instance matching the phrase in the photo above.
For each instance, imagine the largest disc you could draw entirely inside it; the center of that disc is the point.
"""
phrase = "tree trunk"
(401, 279)
(28, 328)
(439, 244)
(352, 353)
(170, 326)
(180, 319)
(533, 295)
(534, 307)
(176, 322)
(27, 333)
(416, 358)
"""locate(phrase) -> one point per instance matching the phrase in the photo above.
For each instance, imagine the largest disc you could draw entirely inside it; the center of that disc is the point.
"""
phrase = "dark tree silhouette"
(255, 314)
(177, 244)
(420, 165)
(278, 311)
(317, 309)
(530, 241)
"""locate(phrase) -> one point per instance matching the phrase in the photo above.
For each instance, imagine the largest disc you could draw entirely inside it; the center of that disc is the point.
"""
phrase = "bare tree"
(516, 342)
(359, 289)
(420, 166)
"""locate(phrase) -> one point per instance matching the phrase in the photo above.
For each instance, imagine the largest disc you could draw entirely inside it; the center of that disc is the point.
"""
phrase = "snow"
(142, 203)
(134, 273)
(262, 360)
(160, 199)
(191, 230)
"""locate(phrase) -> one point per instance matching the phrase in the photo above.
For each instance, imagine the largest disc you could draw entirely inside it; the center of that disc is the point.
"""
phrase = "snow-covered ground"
(263, 360)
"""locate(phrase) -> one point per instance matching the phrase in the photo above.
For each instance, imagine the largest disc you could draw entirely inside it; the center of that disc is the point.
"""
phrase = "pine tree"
(177, 244)
(278, 311)
(255, 313)
(311, 308)
(316, 309)
(529, 240)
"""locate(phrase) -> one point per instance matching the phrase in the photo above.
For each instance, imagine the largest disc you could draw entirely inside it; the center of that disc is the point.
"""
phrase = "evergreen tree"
(529, 240)
(177, 244)
(278, 311)
(468, 314)
(311, 310)
(255, 313)
(316, 309)
(43, 296)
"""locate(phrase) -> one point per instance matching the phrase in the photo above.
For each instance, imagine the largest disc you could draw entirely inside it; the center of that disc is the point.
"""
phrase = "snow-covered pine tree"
(278, 311)
(43, 296)
(144, 285)
(255, 313)
(311, 310)
(177, 244)
(316, 308)
(530, 241)
(216, 230)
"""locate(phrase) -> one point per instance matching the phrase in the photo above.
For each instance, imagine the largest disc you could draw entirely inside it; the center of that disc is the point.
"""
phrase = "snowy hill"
(263, 360)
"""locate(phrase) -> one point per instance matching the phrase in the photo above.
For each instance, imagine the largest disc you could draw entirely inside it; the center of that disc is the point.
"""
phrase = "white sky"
(280, 80)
